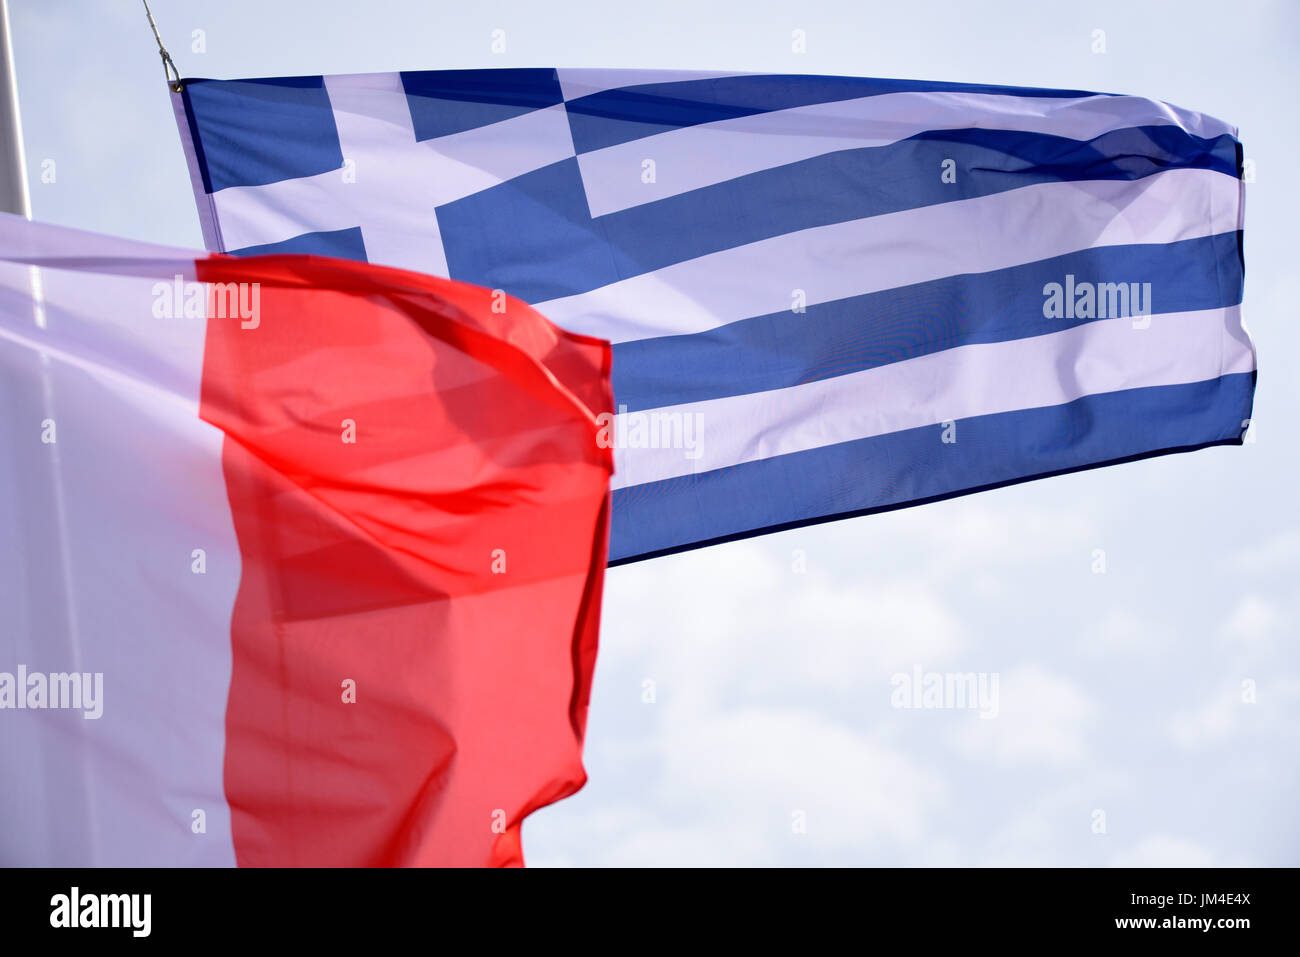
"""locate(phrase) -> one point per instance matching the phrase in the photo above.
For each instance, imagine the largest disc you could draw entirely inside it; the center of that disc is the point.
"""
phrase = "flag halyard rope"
(169, 65)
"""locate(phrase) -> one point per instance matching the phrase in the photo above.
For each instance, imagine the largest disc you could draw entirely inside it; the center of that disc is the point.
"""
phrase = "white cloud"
(752, 769)
(1042, 718)
(1254, 620)
(727, 791)
(1162, 850)
(1124, 632)
(986, 541)
(1209, 724)
(1270, 719)
(772, 629)
(1279, 554)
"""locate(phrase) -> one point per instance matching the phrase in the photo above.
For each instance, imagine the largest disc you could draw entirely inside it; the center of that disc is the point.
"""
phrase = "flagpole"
(13, 164)
(15, 198)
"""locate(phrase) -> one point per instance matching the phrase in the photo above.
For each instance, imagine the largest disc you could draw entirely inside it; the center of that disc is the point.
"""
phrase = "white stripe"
(140, 480)
(898, 249)
(257, 215)
(980, 379)
(698, 156)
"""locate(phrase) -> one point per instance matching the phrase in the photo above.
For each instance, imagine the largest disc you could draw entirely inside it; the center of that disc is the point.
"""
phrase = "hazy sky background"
(1119, 692)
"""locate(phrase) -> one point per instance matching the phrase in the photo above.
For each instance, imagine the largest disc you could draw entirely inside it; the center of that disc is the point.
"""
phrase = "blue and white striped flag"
(827, 295)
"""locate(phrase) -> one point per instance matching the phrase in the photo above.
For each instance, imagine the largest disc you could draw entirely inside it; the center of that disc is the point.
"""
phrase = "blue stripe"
(443, 102)
(848, 335)
(340, 243)
(911, 467)
(631, 112)
(534, 236)
(254, 132)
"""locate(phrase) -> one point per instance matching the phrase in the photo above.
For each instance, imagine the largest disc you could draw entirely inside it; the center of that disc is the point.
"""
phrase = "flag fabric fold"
(303, 558)
(827, 296)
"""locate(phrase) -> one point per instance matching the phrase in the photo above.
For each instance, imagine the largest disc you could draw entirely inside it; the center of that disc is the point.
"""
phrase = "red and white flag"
(302, 558)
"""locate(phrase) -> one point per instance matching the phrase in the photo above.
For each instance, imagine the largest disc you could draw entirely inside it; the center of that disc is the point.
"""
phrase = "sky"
(1140, 620)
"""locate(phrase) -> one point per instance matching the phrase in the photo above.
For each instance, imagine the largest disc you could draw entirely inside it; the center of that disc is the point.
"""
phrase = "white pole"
(13, 165)
(60, 835)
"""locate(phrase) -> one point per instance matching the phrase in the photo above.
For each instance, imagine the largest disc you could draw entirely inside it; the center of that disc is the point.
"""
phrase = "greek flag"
(827, 296)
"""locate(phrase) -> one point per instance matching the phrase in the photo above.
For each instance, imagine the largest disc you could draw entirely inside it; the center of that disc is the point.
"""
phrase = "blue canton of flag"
(827, 295)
